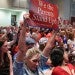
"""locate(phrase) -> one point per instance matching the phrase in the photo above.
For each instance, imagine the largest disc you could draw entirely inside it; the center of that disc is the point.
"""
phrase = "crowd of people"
(26, 50)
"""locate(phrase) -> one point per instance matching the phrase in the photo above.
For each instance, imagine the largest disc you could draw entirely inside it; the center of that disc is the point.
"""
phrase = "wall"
(73, 8)
(12, 7)
(20, 4)
(20, 16)
(5, 16)
(14, 4)
(5, 3)
(66, 9)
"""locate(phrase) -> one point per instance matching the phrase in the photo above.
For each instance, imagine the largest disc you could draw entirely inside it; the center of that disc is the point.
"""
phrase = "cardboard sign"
(43, 14)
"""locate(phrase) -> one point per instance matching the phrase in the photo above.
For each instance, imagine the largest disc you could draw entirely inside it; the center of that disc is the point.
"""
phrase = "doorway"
(13, 20)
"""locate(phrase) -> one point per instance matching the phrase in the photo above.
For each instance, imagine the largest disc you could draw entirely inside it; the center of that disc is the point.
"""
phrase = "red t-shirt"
(59, 71)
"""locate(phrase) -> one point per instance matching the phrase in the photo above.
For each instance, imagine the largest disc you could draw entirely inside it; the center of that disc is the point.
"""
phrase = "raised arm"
(49, 44)
(21, 44)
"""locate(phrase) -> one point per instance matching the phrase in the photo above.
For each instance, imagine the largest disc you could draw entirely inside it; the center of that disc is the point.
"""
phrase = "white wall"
(5, 12)
(20, 16)
(5, 16)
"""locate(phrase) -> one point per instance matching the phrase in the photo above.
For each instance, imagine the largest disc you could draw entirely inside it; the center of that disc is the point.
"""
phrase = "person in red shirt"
(59, 59)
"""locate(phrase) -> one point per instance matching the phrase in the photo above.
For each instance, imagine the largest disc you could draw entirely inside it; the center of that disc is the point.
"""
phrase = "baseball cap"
(30, 41)
(43, 40)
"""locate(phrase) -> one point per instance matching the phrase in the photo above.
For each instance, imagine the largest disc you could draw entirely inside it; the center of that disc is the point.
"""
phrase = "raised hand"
(50, 44)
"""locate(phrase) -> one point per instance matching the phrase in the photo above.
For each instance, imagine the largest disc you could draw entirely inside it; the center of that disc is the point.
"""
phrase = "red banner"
(43, 14)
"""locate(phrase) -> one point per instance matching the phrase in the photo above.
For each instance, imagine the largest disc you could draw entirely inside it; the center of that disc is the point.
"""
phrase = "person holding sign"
(29, 60)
